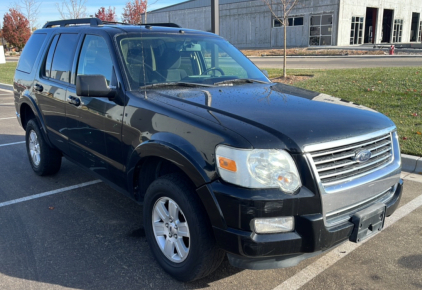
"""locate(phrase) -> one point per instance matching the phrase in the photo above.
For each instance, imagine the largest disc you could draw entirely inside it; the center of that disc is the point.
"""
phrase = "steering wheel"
(211, 69)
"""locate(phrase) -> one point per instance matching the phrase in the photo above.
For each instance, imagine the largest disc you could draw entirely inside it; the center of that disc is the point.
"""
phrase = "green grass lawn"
(7, 70)
(395, 92)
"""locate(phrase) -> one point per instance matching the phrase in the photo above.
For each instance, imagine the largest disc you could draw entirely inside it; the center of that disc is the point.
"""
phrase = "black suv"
(224, 161)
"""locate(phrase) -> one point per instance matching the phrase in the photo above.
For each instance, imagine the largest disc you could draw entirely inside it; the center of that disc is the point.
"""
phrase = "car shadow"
(87, 238)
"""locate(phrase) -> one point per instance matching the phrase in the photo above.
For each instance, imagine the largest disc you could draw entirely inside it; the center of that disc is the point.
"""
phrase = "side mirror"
(94, 86)
(265, 73)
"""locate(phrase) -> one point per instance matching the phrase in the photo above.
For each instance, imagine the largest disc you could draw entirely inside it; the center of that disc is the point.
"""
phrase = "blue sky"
(48, 10)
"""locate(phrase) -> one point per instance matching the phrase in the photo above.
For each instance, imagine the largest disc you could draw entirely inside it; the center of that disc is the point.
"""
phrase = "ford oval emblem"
(362, 156)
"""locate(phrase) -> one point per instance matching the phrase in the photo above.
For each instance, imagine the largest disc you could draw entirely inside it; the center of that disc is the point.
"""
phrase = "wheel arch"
(183, 161)
(29, 109)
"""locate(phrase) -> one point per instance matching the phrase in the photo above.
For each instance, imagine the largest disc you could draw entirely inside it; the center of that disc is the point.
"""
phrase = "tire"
(194, 232)
(44, 160)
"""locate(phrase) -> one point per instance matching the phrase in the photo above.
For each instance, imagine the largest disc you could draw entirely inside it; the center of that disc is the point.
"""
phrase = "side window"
(95, 58)
(63, 57)
(30, 52)
(47, 68)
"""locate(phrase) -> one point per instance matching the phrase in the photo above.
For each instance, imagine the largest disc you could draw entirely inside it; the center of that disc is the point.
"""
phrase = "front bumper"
(311, 237)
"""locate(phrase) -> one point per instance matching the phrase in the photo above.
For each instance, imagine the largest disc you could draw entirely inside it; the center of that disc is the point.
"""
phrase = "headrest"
(170, 59)
(134, 56)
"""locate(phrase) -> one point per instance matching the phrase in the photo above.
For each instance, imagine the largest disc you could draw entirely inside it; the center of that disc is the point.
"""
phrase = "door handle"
(74, 100)
(38, 88)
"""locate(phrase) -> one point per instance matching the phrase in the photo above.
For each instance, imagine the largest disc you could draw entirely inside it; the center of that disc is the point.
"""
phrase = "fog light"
(273, 225)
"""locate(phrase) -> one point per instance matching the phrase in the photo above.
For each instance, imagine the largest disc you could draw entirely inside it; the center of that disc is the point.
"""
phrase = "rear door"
(94, 124)
(51, 85)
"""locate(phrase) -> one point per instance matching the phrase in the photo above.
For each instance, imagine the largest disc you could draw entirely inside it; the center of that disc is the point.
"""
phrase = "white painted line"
(8, 91)
(14, 201)
(316, 268)
(7, 118)
(14, 143)
(7, 104)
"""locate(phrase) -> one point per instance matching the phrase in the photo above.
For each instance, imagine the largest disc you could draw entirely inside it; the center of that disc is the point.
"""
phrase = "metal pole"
(215, 16)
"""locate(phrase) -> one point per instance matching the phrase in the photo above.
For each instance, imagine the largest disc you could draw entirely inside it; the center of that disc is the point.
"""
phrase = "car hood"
(296, 116)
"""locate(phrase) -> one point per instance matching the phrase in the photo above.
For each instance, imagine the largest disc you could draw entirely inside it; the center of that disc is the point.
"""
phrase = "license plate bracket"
(368, 222)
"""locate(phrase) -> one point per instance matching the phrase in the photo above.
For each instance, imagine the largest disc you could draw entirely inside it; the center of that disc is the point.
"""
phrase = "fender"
(29, 100)
(171, 153)
(188, 165)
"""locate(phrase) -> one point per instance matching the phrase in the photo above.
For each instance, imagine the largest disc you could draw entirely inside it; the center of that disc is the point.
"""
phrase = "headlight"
(258, 168)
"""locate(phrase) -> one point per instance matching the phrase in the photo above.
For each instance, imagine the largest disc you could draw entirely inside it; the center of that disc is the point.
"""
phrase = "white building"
(312, 23)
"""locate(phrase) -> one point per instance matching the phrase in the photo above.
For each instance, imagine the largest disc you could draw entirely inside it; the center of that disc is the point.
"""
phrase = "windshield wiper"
(235, 81)
(172, 84)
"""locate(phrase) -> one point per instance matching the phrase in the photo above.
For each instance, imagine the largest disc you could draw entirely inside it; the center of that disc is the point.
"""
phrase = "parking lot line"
(14, 143)
(316, 268)
(7, 118)
(18, 200)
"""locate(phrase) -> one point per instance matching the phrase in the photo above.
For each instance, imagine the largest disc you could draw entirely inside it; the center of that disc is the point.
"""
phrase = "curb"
(410, 163)
(6, 87)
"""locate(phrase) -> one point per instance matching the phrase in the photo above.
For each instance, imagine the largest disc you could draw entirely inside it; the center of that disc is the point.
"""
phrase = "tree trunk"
(285, 48)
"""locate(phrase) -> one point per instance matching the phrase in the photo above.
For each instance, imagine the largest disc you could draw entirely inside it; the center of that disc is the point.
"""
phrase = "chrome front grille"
(337, 164)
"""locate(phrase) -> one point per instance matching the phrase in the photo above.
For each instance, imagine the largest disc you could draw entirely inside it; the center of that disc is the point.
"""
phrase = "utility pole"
(215, 16)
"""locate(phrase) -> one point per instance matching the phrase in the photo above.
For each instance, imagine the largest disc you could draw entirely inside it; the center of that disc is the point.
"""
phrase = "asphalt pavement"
(337, 62)
(78, 233)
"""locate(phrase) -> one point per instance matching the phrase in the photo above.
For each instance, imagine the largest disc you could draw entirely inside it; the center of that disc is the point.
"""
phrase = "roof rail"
(163, 24)
(63, 23)
(94, 22)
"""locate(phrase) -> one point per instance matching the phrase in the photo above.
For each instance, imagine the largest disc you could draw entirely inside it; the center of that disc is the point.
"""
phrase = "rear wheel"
(44, 160)
(178, 231)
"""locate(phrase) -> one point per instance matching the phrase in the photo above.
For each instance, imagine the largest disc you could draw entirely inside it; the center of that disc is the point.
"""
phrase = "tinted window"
(63, 57)
(298, 21)
(95, 58)
(47, 68)
(30, 52)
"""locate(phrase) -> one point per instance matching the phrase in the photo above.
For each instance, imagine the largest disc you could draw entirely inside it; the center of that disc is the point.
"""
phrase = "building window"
(356, 34)
(398, 30)
(420, 32)
(293, 21)
(321, 29)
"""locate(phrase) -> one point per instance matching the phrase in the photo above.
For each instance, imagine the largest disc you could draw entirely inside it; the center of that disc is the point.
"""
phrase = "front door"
(94, 124)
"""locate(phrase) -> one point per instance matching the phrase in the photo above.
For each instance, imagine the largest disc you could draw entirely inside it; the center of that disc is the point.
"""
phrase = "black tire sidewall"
(50, 158)
(165, 188)
(33, 126)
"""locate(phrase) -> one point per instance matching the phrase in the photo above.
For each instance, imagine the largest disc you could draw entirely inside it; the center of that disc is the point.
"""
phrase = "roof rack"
(163, 24)
(94, 22)
(67, 22)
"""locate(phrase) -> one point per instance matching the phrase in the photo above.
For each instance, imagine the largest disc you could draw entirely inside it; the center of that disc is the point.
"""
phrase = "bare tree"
(72, 9)
(30, 9)
(286, 7)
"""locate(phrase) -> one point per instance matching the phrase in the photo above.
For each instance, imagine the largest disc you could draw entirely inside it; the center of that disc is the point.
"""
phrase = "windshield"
(172, 58)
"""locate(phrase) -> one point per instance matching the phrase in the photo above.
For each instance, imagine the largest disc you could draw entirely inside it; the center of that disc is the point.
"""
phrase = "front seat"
(168, 65)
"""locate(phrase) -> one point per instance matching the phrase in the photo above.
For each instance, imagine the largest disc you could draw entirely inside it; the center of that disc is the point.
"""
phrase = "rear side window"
(63, 57)
(47, 68)
(30, 52)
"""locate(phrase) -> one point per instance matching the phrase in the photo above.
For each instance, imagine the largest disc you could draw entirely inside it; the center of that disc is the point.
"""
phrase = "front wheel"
(178, 231)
